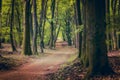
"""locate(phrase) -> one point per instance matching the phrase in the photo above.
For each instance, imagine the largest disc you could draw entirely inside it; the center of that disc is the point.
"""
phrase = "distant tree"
(78, 23)
(42, 23)
(26, 36)
(35, 26)
(12, 25)
(108, 32)
(119, 29)
(114, 30)
(68, 28)
(18, 21)
(52, 23)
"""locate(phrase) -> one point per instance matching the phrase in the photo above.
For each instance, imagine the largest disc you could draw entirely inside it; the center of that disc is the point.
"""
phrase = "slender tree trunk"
(119, 29)
(114, 35)
(26, 38)
(12, 25)
(31, 25)
(63, 36)
(84, 56)
(0, 22)
(79, 22)
(44, 22)
(41, 25)
(19, 28)
(52, 24)
(68, 32)
(75, 40)
(57, 34)
(109, 46)
(35, 27)
(118, 7)
(57, 24)
(96, 27)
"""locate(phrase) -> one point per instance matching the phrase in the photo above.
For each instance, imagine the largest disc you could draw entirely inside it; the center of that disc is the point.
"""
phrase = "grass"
(70, 60)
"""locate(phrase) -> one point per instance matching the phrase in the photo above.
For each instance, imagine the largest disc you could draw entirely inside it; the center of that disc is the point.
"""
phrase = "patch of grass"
(70, 60)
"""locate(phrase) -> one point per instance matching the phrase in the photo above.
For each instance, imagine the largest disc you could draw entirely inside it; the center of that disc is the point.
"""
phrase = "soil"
(49, 66)
(37, 68)
(76, 71)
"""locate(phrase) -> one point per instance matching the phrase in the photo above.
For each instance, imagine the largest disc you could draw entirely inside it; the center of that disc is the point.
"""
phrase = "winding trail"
(38, 68)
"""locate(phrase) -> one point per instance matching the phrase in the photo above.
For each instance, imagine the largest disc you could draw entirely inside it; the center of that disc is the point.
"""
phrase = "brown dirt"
(76, 71)
(38, 68)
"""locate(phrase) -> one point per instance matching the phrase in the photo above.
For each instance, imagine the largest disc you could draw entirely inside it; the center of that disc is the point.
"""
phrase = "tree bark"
(114, 35)
(35, 27)
(119, 29)
(19, 29)
(0, 23)
(11, 26)
(79, 22)
(52, 24)
(26, 38)
(68, 31)
(108, 32)
(41, 25)
(84, 56)
(96, 27)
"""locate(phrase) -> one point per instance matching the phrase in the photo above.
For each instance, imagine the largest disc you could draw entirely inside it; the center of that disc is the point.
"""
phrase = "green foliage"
(80, 28)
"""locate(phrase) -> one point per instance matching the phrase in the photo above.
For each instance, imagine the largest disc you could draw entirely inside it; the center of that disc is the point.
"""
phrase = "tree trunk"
(57, 34)
(79, 22)
(119, 29)
(0, 23)
(68, 32)
(19, 29)
(63, 36)
(26, 37)
(52, 24)
(96, 27)
(84, 56)
(41, 25)
(108, 32)
(11, 26)
(35, 27)
(114, 35)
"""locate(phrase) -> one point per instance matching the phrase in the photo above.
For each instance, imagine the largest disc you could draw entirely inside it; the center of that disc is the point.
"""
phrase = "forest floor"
(76, 71)
(58, 64)
(35, 67)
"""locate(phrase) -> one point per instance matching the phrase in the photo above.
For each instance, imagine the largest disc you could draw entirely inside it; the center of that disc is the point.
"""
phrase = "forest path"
(37, 69)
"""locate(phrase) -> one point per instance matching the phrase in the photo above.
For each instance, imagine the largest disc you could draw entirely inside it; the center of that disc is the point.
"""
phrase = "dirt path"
(37, 69)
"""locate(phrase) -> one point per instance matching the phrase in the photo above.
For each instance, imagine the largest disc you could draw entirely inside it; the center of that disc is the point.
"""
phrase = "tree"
(18, 21)
(68, 27)
(119, 29)
(78, 23)
(0, 22)
(35, 27)
(52, 23)
(108, 32)
(12, 25)
(84, 56)
(114, 35)
(96, 46)
(26, 36)
(42, 23)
